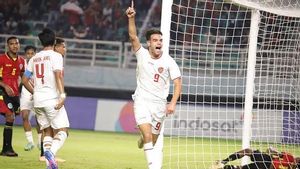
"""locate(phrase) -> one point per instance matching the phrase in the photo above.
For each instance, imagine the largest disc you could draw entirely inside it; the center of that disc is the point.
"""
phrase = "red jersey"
(283, 163)
(11, 70)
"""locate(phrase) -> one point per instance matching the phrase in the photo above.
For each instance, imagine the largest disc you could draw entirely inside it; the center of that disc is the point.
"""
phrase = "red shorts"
(3, 108)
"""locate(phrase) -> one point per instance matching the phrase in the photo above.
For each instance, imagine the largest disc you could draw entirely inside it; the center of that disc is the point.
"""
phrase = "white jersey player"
(154, 72)
(153, 83)
(46, 69)
(43, 64)
(26, 108)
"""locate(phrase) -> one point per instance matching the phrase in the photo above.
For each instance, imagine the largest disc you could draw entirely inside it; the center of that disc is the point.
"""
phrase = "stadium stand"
(94, 19)
(96, 30)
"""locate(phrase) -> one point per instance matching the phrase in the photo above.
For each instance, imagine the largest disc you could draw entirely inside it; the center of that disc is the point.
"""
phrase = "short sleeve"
(29, 65)
(174, 69)
(57, 62)
(140, 53)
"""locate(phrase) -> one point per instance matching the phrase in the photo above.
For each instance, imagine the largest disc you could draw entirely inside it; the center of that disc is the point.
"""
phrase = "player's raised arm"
(135, 42)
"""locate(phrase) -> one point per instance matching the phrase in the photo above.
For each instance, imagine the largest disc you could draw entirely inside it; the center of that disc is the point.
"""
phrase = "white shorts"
(48, 116)
(26, 103)
(153, 113)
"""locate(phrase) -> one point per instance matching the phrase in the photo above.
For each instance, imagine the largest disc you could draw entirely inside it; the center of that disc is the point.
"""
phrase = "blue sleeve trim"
(27, 73)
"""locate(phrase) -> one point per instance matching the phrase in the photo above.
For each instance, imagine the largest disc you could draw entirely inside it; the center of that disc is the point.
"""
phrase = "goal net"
(240, 67)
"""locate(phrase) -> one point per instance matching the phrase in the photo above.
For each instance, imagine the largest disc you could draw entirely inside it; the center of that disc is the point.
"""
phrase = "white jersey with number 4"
(43, 65)
(154, 75)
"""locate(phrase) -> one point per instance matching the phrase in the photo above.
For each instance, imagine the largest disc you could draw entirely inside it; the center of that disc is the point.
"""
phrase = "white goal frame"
(251, 58)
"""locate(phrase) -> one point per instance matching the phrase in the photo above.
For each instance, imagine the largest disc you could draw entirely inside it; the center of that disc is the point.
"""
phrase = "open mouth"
(158, 48)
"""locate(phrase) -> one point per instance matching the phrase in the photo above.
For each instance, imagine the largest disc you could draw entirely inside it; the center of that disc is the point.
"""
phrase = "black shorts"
(12, 103)
(259, 161)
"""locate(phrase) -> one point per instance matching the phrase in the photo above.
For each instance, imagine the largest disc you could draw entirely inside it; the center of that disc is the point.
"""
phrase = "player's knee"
(147, 137)
(9, 117)
(61, 129)
(48, 131)
(60, 135)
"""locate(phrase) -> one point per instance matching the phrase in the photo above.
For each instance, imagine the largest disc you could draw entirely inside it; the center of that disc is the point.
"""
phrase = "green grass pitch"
(82, 150)
(108, 150)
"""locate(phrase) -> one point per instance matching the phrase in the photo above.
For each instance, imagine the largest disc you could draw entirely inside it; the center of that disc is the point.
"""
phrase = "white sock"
(47, 143)
(58, 141)
(28, 135)
(158, 150)
(149, 153)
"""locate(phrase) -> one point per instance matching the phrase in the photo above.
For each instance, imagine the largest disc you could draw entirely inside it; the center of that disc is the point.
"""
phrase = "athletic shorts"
(3, 108)
(48, 116)
(260, 161)
(146, 111)
(9, 104)
(26, 103)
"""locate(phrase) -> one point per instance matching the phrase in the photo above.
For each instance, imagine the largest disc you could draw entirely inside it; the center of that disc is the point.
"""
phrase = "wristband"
(63, 95)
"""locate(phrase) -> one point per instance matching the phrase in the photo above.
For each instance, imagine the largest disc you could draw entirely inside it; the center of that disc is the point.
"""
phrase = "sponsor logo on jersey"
(8, 65)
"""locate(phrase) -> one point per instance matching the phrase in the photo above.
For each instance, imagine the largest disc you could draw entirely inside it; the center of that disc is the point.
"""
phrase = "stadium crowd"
(105, 19)
(83, 19)
(210, 22)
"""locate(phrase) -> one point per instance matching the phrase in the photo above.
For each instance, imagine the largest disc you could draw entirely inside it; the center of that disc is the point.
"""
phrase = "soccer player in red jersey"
(11, 68)
(284, 160)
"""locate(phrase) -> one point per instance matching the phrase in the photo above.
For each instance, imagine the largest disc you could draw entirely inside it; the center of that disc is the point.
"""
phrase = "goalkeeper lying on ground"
(271, 159)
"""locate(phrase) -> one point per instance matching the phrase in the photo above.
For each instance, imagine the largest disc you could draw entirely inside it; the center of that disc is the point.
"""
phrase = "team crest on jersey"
(21, 66)
(160, 69)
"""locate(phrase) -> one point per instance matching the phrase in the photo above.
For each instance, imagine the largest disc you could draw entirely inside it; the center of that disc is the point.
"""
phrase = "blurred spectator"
(92, 12)
(215, 22)
(73, 12)
(80, 32)
(107, 11)
(11, 26)
(53, 6)
(24, 6)
(37, 9)
(155, 18)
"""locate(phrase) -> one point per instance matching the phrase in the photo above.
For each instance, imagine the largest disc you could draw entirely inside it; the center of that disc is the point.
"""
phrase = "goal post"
(250, 78)
(240, 68)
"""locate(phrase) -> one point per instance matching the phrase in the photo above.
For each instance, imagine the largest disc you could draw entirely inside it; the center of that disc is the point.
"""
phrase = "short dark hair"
(30, 47)
(47, 37)
(151, 32)
(10, 38)
(59, 41)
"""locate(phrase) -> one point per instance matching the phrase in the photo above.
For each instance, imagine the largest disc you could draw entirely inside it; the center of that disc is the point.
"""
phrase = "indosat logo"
(126, 121)
(199, 124)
